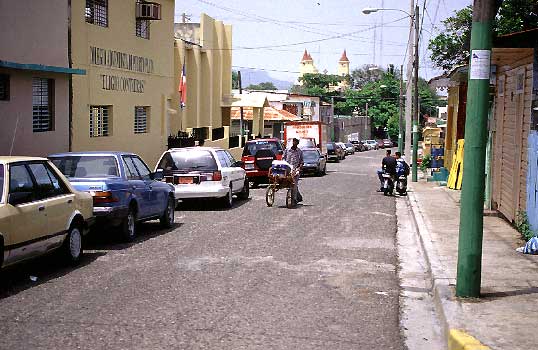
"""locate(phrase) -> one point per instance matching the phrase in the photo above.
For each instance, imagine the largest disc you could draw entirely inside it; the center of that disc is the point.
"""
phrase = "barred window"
(142, 28)
(42, 104)
(4, 87)
(96, 12)
(99, 121)
(141, 120)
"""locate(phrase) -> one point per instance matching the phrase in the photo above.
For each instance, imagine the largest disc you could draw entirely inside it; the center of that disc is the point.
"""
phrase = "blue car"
(124, 190)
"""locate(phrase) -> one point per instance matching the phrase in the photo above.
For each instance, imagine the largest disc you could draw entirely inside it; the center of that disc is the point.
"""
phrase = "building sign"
(116, 59)
(115, 83)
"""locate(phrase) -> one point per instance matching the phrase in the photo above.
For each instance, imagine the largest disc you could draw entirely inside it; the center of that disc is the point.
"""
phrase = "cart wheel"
(289, 199)
(270, 196)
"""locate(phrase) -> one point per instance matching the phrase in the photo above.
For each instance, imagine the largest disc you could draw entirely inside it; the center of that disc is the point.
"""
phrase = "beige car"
(40, 211)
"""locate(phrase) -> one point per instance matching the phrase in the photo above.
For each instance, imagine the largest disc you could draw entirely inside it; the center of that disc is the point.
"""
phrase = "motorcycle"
(388, 184)
(401, 185)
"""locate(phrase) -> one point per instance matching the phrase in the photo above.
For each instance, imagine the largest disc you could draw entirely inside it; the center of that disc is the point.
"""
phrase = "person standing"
(294, 156)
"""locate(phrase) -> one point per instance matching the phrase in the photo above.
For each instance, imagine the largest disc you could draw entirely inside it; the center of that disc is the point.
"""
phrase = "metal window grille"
(141, 120)
(99, 121)
(4, 87)
(142, 28)
(42, 109)
(96, 12)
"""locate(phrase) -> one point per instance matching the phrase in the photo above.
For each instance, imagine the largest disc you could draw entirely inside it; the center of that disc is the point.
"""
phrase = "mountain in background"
(252, 76)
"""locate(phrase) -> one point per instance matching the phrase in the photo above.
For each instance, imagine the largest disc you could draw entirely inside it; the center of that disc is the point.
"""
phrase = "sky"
(325, 28)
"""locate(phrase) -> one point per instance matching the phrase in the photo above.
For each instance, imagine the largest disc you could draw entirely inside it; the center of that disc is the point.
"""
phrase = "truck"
(353, 137)
(310, 134)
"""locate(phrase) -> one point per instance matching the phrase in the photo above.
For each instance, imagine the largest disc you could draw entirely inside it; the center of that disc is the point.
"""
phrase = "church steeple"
(343, 65)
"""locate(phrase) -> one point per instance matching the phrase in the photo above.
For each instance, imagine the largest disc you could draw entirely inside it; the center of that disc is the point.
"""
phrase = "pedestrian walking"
(294, 156)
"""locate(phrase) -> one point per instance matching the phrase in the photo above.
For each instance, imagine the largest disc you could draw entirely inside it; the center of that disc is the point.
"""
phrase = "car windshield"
(252, 147)
(87, 166)
(1, 182)
(303, 143)
(310, 156)
(193, 160)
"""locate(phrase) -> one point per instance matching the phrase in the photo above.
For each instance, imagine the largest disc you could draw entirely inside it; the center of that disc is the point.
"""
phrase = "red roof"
(344, 57)
(306, 56)
(269, 114)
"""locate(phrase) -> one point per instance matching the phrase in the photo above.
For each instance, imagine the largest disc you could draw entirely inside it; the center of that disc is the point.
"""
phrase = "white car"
(204, 172)
(372, 144)
(343, 147)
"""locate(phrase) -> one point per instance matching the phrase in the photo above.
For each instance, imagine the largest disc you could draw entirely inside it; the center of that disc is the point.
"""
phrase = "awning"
(245, 100)
(41, 68)
(269, 114)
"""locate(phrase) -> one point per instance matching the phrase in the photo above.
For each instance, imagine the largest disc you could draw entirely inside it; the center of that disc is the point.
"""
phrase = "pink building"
(35, 77)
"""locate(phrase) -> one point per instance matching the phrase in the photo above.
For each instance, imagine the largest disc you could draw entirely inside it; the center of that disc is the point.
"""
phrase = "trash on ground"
(33, 278)
(531, 247)
(382, 293)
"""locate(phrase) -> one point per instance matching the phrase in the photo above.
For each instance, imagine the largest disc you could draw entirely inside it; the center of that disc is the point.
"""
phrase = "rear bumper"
(200, 191)
(257, 173)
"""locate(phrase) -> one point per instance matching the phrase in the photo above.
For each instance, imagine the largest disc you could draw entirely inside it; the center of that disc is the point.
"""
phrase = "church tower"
(343, 65)
(307, 65)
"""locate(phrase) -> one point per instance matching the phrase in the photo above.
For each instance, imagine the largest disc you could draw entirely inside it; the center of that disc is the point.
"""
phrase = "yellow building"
(205, 50)
(307, 66)
(124, 101)
(343, 65)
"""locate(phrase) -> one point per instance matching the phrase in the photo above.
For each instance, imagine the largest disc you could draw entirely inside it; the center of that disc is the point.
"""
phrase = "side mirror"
(158, 175)
(17, 198)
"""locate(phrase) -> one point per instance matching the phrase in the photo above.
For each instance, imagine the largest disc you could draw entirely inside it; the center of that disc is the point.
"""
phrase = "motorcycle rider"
(294, 156)
(388, 165)
(402, 168)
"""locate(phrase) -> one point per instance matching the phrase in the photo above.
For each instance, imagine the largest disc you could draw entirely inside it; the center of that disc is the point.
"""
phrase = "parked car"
(380, 143)
(372, 144)
(387, 143)
(350, 148)
(257, 157)
(124, 189)
(344, 149)
(40, 211)
(314, 162)
(204, 172)
(359, 146)
(334, 152)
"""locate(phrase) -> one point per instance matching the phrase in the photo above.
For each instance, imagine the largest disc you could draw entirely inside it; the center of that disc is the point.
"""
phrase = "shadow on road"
(210, 205)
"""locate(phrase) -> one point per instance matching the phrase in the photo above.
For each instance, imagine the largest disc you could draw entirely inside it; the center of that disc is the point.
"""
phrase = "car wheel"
(228, 199)
(128, 226)
(72, 248)
(167, 219)
(245, 192)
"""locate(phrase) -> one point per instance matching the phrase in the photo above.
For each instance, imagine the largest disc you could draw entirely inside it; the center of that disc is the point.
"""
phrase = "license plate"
(186, 180)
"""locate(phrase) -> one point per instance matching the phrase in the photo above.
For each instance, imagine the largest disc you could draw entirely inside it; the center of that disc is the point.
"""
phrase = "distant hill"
(252, 76)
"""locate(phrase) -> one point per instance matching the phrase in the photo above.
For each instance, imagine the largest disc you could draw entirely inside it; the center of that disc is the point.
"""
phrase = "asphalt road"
(321, 276)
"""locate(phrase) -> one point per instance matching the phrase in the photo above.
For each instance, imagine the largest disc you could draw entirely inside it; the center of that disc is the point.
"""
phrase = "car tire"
(227, 200)
(72, 246)
(245, 192)
(168, 217)
(128, 226)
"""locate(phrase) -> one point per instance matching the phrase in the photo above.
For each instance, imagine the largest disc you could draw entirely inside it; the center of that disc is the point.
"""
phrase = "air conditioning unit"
(148, 11)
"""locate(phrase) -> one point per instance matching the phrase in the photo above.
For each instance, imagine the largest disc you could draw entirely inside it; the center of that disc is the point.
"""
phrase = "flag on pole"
(183, 87)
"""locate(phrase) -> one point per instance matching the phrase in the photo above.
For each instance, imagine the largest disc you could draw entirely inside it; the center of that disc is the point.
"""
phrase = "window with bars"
(141, 120)
(42, 104)
(4, 87)
(142, 28)
(96, 12)
(99, 121)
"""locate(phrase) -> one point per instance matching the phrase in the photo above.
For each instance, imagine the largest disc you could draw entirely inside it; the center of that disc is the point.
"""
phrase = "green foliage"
(426, 162)
(523, 226)
(235, 80)
(368, 73)
(317, 84)
(262, 86)
(451, 46)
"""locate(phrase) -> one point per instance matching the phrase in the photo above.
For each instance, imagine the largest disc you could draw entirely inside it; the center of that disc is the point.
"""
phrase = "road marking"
(384, 214)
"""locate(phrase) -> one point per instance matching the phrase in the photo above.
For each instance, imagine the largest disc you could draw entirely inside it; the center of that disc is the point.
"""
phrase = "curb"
(448, 310)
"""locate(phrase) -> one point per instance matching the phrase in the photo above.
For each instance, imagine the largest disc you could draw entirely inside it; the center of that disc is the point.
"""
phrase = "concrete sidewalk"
(506, 316)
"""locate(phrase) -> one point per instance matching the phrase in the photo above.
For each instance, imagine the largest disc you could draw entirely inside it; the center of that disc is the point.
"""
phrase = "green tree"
(235, 80)
(262, 86)
(451, 46)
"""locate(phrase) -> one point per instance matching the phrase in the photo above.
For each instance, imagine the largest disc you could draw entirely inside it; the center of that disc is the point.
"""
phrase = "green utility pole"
(472, 195)
(401, 126)
(414, 176)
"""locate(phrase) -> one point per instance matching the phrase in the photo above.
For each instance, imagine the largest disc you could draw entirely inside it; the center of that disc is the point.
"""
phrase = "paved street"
(321, 276)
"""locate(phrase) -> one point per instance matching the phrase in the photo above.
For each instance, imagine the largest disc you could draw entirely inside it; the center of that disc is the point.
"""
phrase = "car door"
(238, 172)
(58, 202)
(28, 221)
(157, 197)
(140, 189)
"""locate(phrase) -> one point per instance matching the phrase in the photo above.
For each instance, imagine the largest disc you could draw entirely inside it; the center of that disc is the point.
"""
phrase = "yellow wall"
(158, 83)
(208, 60)
(343, 68)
